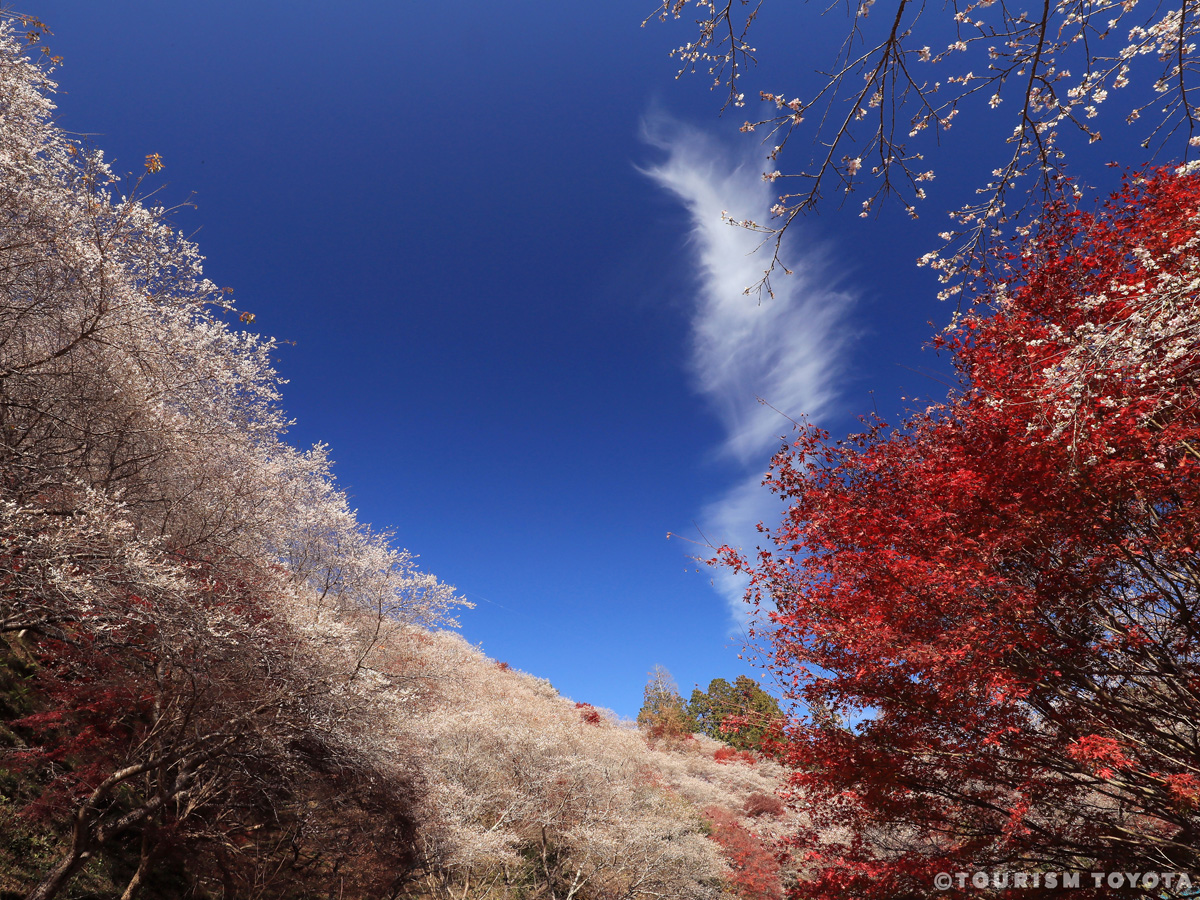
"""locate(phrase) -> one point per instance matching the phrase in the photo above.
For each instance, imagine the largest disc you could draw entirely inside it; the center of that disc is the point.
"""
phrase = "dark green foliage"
(741, 714)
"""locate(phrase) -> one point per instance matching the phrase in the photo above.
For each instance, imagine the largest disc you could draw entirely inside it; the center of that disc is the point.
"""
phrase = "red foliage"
(756, 871)
(1103, 755)
(992, 610)
(98, 702)
(729, 754)
(762, 805)
(588, 713)
(1185, 789)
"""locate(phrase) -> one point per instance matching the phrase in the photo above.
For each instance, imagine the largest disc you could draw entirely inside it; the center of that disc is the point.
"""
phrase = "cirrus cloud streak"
(787, 350)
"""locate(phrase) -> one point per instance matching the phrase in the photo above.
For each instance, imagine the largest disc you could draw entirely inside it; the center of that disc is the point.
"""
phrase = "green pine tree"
(745, 699)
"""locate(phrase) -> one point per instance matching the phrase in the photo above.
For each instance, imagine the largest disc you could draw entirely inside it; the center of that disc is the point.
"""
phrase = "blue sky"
(492, 233)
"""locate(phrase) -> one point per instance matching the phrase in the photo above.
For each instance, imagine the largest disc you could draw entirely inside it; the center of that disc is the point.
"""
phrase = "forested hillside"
(214, 680)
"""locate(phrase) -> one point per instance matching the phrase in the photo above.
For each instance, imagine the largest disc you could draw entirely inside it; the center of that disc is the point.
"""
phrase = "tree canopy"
(741, 714)
(883, 99)
(1002, 591)
(664, 714)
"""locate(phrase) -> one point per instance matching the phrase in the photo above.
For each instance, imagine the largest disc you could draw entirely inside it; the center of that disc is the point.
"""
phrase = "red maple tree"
(993, 607)
(754, 870)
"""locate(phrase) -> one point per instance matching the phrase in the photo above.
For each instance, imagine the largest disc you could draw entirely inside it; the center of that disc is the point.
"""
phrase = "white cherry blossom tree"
(905, 70)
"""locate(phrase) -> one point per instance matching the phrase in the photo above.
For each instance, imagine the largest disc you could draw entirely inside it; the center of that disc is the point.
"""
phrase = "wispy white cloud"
(786, 350)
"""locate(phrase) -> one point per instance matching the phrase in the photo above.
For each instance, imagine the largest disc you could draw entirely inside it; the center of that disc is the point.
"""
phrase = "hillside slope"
(214, 680)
